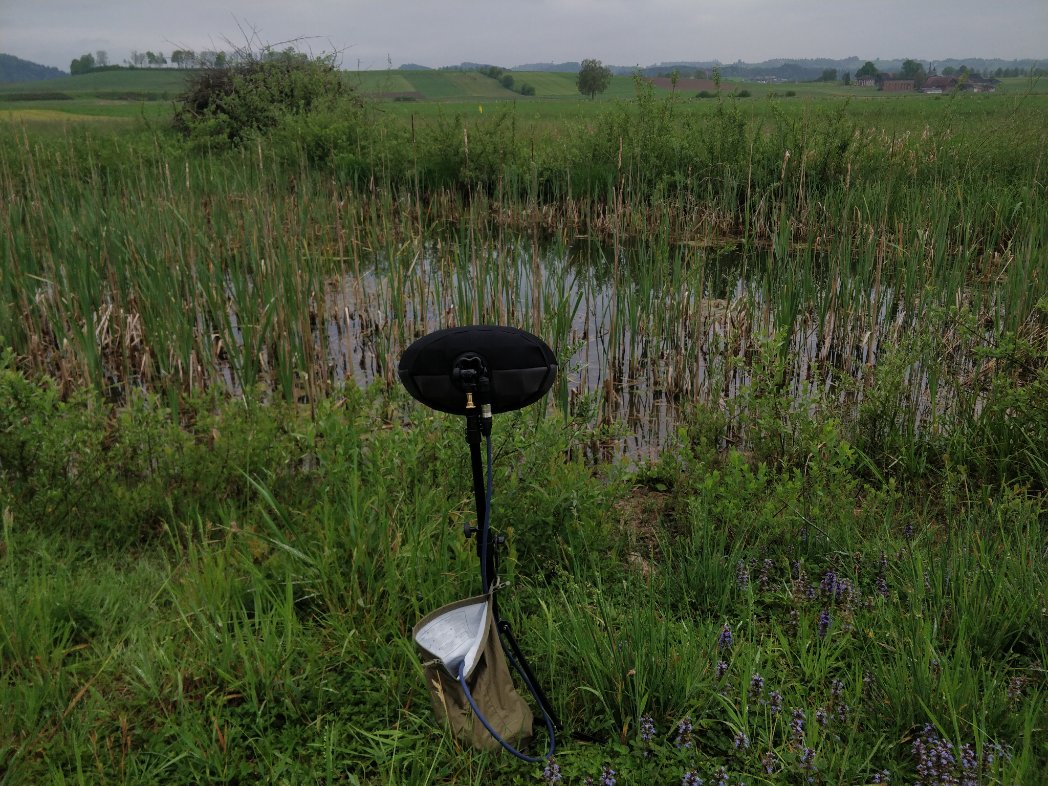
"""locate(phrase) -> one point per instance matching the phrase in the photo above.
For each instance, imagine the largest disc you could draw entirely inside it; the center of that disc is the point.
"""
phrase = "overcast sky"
(509, 33)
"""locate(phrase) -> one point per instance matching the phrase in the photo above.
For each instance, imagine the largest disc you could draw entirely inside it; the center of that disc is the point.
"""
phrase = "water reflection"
(642, 331)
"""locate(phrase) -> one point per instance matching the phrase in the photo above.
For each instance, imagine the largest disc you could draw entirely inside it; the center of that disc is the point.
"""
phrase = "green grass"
(802, 386)
(261, 632)
(85, 108)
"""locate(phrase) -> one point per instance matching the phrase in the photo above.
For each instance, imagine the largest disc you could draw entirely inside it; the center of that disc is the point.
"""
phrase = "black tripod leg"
(522, 664)
(487, 559)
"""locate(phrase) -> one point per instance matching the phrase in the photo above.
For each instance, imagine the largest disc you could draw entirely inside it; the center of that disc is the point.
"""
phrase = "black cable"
(495, 734)
(485, 581)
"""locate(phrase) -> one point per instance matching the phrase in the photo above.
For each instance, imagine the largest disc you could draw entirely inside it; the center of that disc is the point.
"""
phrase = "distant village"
(928, 83)
(913, 78)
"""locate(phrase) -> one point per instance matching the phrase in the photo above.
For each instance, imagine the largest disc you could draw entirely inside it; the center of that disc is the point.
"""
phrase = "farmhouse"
(939, 83)
(978, 84)
(897, 85)
(972, 83)
(866, 81)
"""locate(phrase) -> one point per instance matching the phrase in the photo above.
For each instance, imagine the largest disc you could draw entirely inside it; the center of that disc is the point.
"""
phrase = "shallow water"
(641, 334)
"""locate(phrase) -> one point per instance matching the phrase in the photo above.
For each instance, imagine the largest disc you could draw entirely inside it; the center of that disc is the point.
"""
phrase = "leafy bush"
(76, 467)
(231, 104)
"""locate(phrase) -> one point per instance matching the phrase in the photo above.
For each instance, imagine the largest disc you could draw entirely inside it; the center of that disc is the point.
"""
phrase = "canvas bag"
(464, 633)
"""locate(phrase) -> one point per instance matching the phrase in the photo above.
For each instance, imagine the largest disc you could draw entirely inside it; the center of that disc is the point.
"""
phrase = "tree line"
(179, 58)
(505, 78)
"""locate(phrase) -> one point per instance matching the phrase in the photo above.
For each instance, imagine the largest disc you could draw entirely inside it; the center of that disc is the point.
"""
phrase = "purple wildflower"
(756, 685)
(820, 716)
(840, 708)
(764, 578)
(969, 765)
(829, 585)
(684, 730)
(722, 669)
(993, 752)
(882, 580)
(607, 776)
(742, 575)
(882, 587)
(768, 763)
(1015, 688)
(807, 758)
(936, 762)
(647, 728)
(881, 777)
(907, 531)
(775, 702)
(825, 621)
(741, 740)
(845, 592)
(797, 725)
(691, 778)
(807, 763)
(726, 639)
(551, 773)
(721, 776)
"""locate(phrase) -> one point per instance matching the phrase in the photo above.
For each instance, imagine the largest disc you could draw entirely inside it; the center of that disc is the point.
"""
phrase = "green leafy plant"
(230, 104)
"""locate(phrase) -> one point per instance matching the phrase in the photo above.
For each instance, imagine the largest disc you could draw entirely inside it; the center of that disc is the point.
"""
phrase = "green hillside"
(166, 84)
(468, 85)
(380, 82)
(548, 84)
(15, 69)
(106, 84)
(456, 85)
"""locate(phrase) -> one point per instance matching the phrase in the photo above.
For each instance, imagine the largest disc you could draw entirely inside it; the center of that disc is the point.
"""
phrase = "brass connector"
(469, 401)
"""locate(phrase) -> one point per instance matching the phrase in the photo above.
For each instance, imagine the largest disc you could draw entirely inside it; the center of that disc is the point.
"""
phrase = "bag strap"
(495, 734)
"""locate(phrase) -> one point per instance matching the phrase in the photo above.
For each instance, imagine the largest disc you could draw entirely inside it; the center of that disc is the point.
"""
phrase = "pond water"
(642, 334)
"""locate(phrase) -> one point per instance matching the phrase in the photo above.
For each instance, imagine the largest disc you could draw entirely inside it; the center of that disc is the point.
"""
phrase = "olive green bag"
(460, 641)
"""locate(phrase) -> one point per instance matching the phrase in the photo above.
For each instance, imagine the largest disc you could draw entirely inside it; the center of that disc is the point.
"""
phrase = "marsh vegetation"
(803, 347)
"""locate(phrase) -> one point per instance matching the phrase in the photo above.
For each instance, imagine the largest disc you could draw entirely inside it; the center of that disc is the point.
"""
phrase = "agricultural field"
(149, 93)
(781, 519)
(169, 82)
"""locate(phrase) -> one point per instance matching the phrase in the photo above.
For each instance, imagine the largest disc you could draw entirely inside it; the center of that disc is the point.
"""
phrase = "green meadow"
(781, 519)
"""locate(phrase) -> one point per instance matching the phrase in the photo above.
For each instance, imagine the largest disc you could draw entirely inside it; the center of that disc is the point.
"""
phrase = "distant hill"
(560, 68)
(414, 67)
(15, 69)
(786, 69)
(140, 84)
